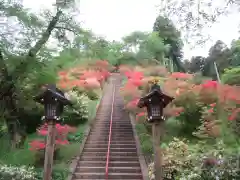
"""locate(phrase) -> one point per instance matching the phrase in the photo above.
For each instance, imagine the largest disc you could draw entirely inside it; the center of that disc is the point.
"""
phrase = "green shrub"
(236, 126)
(231, 76)
(200, 161)
(92, 95)
(57, 174)
(190, 118)
(77, 137)
(17, 173)
(31, 120)
(216, 161)
(145, 139)
(39, 157)
(172, 128)
(78, 113)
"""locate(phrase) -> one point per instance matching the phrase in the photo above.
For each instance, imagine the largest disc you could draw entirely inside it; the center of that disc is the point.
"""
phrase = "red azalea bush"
(39, 145)
(206, 110)
(195, 105)
(88, 78)
(199, 102)
(61, 134)
(132, 89)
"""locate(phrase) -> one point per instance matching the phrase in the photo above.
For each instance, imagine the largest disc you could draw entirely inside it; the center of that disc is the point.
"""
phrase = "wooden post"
(49, 151)
(156, 134)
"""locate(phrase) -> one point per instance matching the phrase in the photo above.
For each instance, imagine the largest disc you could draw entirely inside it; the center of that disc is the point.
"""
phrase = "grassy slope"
(26, 157)
(172, 129)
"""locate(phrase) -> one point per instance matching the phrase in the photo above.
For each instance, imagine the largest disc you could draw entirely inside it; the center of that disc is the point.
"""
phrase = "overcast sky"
(117, 18)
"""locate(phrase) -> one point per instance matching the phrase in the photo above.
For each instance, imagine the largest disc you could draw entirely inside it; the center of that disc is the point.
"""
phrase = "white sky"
(114, 19)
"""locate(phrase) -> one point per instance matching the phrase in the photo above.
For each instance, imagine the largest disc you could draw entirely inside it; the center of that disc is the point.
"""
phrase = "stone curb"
(144, 167)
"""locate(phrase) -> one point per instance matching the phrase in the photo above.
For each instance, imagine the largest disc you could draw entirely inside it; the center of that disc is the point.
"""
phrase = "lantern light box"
(53, 100)
(155, 102)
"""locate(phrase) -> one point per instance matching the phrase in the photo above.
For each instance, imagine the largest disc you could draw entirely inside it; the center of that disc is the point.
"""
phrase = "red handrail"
(110, 134)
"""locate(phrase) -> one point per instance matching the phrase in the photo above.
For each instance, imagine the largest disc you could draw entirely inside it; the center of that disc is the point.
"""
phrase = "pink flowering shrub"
(195, 105)
(88, 78)
(39, 145)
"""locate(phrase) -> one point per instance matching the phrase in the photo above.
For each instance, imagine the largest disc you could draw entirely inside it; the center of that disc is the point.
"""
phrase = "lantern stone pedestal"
(50, 147)
(155, 101)
(53, 100)
(156, 135)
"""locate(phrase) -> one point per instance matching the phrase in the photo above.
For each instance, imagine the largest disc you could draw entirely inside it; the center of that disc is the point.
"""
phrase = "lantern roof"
(158, 93)
(155, 93)
(52, 92)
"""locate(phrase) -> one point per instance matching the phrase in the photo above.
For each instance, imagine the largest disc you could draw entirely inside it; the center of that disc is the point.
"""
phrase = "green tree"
(195, 64)
(235, 51)
(171, 37)
(220, 54)
(231, 76)
(143, 47)
(22, 54)
(133, 40)
(152, 48)
(115, 52)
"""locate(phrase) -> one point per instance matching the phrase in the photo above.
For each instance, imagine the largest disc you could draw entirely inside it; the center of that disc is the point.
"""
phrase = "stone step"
(111, 163)
(93, 169)
(112, 146)
(113, 125)
(117, 129)
(112, 142)
(117, 140)
(103, 124)
(124, 153)
(123, 149)
(114, 134)
(102, 175)
(106, 131)
(100, 138)
(114, 122)
(102, 179)
(98, 125)
(113, 158)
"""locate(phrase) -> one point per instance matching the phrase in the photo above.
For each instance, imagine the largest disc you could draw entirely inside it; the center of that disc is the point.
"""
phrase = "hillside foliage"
(51, 47)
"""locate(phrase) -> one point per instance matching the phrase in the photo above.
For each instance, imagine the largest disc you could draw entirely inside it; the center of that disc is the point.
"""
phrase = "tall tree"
(143, 47)
(133, 40)
(220, 54)
(152, 48)
(195, 64)
(235, 51)
(18, 52)
(172, 37)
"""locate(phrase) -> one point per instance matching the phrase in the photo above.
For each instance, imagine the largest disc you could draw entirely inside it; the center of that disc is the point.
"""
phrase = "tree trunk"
(45, 36)
(21, 68)
(8, 99)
